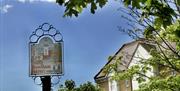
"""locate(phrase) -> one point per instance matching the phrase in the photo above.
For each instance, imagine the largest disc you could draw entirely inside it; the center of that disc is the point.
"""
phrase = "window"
(127, 83)
(114, 86)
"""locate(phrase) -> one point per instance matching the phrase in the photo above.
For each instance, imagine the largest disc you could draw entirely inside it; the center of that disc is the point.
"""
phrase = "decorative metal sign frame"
(51, 40)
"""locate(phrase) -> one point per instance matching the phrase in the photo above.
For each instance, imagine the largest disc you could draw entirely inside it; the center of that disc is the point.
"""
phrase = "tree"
(70, 86)
(74, 7)
(158, 22)
(88, 87)
(155, 20)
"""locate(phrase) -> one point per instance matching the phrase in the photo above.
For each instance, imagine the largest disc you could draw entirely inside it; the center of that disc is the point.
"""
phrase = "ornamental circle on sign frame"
(46, 30)
(54, 80)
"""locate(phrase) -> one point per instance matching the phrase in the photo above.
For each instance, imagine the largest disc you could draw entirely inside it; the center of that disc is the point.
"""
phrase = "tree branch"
(167, 59)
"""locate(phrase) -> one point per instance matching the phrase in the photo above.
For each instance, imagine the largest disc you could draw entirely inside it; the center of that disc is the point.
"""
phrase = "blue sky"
(88, 40)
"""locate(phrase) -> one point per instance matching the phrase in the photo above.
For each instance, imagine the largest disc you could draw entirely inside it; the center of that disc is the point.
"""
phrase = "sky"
(88, 40)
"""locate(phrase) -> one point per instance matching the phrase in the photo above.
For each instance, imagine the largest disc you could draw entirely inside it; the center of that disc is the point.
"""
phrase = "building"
(131, 53)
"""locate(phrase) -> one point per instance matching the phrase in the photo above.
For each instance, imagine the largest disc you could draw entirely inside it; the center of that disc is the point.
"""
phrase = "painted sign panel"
(46, 58)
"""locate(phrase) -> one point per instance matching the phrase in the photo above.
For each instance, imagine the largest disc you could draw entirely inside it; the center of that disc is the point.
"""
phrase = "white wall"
(140, 53)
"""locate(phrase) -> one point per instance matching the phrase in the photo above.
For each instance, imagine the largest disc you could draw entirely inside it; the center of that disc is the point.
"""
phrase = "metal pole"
(46, 83)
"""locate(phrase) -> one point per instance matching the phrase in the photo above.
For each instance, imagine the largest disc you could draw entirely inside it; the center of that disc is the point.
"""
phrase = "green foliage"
(148, 32)
(160, 11)
(170, 83)
(172, 33)
(74, 7)
(162, 26)
(88, 87)
(129, 73)
(112, 67)
(135, 3)
(70, 86)
(178, 2)
(162, 81)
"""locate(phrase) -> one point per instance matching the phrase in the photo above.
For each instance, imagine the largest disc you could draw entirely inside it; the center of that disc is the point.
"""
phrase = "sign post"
(46, 83)
(46, 54)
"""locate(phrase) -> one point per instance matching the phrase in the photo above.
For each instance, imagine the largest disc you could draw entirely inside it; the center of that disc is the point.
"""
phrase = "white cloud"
(23, 1)
(5, 8)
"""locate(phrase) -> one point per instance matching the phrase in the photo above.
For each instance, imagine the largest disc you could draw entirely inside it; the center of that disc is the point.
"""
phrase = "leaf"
(101, 2)
(84, 5)
(140, 79)
(148, 3)
(75, 12)
(158, 23)
(136, 3)
(148, 32)
(79, 9)
(127, 2)
(143, 1)
(110, 57)
(60, 2)
(93, 7)
(177, 33)
(178, 2)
